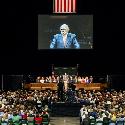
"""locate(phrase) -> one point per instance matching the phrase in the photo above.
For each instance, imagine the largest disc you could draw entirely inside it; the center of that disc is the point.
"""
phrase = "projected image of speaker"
(65, 32)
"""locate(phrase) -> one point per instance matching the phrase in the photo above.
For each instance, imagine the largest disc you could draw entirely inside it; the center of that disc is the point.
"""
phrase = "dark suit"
(71, 42)
(60, 90)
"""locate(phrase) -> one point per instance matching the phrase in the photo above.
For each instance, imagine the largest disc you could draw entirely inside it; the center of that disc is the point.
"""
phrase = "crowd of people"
(95, 105)
(66, 77)
(102, 108)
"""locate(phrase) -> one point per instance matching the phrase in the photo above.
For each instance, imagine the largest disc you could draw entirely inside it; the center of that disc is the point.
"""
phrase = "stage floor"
(64, 121)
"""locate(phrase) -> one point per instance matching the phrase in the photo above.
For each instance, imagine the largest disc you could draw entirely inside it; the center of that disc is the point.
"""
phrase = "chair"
(38, 120)
(112, 123)
(23, 122)
(10, 122)
(92, 121)
(30, 120)
(99, 122)
(105, 121)
(120, 122)
(16, 122)
(4, 122)
(45, 120)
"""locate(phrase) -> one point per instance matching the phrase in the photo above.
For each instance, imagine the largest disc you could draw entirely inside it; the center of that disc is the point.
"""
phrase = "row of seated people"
(68, 78)
(102, 120)
(27, 117)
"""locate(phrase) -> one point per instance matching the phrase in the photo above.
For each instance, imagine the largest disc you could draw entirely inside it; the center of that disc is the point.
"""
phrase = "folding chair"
(45, 120)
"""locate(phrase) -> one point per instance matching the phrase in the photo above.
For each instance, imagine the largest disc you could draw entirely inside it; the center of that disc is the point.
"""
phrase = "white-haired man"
(65, 39)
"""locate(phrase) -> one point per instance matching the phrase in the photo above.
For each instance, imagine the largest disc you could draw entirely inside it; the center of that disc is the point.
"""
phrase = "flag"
(64, 6)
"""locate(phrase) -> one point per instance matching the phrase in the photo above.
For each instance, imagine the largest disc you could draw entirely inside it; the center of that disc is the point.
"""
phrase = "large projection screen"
(80, 25)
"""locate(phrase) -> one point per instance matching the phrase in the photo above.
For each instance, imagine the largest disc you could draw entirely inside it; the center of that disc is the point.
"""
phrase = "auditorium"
(61, 63)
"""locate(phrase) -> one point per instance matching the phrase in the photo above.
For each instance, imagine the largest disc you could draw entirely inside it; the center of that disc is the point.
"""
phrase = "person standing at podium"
(60, 89)
(66, 80)
(64, 40)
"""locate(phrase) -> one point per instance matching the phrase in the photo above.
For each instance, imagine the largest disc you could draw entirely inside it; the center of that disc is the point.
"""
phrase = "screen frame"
(58, 49)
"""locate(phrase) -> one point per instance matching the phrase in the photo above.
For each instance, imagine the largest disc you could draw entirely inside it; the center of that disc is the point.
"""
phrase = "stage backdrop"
(63, 70)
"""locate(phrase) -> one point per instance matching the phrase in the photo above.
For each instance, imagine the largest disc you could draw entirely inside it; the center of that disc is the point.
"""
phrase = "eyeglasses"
(62, 29)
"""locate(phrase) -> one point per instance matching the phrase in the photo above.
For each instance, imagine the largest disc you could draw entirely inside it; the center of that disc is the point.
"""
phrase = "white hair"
(64, 26)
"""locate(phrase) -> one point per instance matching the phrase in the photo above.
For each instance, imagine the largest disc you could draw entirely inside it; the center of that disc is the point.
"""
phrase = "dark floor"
(64, 121)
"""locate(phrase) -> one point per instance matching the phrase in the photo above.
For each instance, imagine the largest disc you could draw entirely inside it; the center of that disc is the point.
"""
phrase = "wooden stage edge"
(53, 86)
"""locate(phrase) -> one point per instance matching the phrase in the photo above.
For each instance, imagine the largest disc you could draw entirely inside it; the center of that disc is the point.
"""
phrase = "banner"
(64, 6)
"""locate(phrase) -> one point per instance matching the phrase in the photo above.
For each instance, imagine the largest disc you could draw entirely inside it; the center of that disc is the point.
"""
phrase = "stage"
(53, 86)
(65, 109)
(64, 121)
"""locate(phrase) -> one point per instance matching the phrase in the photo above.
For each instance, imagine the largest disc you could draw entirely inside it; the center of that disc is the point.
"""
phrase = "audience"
(97, 106)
